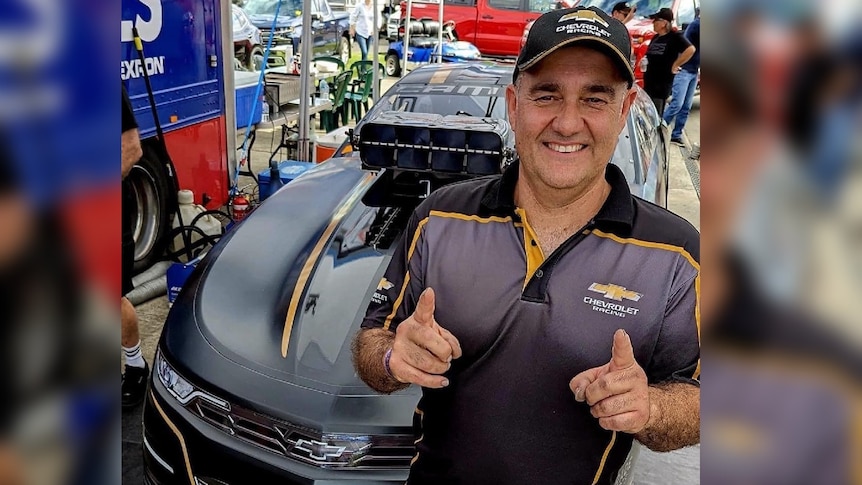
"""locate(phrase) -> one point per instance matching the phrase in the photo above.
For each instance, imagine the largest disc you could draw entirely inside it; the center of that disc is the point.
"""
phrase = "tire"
(344, 50)
(393, 65)
(155, 201)
(255, 55)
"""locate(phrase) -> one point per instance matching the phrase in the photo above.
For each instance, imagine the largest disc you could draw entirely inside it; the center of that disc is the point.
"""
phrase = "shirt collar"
(618, 207)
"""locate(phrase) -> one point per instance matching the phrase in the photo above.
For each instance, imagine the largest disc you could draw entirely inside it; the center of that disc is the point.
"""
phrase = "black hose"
(165, 156)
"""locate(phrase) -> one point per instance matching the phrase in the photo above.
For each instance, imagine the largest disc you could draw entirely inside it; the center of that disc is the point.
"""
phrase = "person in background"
(684, 85)
(623, 12)
(666, 54)
(135, 375)
(362, 25)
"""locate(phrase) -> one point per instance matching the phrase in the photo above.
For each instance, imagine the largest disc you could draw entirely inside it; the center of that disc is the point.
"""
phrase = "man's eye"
(595, 101)
(544, 99)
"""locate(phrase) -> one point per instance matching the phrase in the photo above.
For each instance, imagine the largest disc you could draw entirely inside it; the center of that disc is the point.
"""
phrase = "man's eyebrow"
(601, 89)
(545, 87)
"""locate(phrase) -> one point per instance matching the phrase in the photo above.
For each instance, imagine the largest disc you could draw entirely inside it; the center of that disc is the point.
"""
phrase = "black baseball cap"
(663, 14)
(621, 7)
(587, 25)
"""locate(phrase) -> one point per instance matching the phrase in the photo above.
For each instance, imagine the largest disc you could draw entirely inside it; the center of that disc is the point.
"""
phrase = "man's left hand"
(617, 392)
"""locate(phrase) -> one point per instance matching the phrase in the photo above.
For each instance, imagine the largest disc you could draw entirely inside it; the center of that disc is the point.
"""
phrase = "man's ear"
(512, 105)
(628, 100)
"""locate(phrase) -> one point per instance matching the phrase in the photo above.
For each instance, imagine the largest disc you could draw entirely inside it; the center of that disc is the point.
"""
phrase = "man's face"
(619, 15)
(661, 26)
(567, 113)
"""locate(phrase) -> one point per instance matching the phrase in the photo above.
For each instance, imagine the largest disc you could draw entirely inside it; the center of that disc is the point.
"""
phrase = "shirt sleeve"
(681, 43)
(398, 291)
(677, 353)
(354, 15)
(128, 121)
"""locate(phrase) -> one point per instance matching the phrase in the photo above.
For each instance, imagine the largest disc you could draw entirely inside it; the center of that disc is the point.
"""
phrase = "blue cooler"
(288, 170)
(245, 84)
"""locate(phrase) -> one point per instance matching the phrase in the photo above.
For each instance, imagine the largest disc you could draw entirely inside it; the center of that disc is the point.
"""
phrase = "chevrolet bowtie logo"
(583, 15)
(615, 292)
(318, 450)
(384, 285)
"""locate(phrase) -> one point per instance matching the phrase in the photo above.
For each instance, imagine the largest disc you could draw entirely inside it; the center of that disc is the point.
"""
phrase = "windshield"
(480, 101)
(267, 7)
(644, 7)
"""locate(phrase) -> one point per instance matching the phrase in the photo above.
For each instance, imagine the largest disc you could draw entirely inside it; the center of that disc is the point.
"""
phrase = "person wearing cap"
(666, 54)
(684, 86)
(549, 316)
(623, 12)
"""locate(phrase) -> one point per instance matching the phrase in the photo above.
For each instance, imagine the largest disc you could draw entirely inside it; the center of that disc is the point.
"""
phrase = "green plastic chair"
(329, 119)
(334, 60)
(361, 87)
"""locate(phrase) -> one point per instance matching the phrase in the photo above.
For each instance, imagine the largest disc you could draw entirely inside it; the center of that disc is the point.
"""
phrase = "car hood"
(265, 21)
(301, 253)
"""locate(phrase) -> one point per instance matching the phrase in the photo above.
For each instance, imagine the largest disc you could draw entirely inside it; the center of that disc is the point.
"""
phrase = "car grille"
(307, 445)
(282, 36)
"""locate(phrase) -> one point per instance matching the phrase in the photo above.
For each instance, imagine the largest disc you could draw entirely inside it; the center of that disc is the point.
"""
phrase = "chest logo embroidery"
(614, 293)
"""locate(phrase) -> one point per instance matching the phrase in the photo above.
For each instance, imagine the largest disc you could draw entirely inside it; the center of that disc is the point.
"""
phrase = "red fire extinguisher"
(240, 206)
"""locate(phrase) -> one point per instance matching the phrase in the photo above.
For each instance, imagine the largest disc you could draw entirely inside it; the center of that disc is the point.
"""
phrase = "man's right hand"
(423, 350)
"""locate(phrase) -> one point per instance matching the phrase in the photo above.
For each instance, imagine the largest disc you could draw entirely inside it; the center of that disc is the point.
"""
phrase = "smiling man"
(550, 317)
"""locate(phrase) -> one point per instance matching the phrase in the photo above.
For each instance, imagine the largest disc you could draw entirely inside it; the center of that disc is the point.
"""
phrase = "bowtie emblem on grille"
(318, 450)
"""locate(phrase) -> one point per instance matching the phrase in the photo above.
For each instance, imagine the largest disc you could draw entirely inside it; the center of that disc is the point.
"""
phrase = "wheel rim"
(345, 51)
(390, 66)
(146, 227)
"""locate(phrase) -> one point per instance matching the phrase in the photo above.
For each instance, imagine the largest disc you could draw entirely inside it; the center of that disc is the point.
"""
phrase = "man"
(623, 12)
(684, 85)
(548, 314)
(666, 54)
(135, 376)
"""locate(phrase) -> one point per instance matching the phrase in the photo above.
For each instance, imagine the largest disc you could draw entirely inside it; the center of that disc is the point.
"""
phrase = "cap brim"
(622, 62)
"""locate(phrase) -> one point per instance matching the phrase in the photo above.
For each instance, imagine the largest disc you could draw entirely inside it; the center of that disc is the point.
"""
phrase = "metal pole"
(375, 60)
(227, 53)
(440, 32)
(305, 81)
(406, 45)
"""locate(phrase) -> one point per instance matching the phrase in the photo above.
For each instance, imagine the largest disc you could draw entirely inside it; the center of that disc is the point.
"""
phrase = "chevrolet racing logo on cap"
(583, 15)
(615, 292)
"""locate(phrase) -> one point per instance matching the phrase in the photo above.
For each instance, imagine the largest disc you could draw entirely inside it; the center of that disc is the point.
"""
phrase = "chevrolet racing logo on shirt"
(379, 297)
(616, 293)
(384, 285)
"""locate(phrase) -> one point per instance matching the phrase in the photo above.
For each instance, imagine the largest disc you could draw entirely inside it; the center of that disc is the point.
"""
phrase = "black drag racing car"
(253, 381)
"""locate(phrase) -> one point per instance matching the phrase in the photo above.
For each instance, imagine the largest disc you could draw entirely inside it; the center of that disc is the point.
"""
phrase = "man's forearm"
(674, 417)
(684, 57)
(131, 150)
(369, 348)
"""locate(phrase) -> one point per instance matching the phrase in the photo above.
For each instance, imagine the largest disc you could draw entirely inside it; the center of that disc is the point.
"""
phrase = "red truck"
(493, 26)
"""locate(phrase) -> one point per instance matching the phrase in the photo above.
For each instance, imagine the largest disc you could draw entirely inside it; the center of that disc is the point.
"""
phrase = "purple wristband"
(386, 358)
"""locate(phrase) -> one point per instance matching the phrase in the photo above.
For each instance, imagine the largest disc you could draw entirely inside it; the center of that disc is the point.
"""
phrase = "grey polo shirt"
(529, 322)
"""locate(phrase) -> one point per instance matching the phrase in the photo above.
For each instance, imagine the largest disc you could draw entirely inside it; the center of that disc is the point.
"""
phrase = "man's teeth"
(565, 148)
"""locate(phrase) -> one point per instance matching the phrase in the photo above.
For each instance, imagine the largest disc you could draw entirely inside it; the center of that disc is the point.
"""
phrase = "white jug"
(189, 210)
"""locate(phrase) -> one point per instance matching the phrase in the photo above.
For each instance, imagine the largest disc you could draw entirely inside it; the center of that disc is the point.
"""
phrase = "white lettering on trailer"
(149, 30)
(132, 69)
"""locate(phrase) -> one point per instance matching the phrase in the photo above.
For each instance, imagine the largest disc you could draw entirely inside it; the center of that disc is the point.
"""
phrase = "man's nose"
(568, 121)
